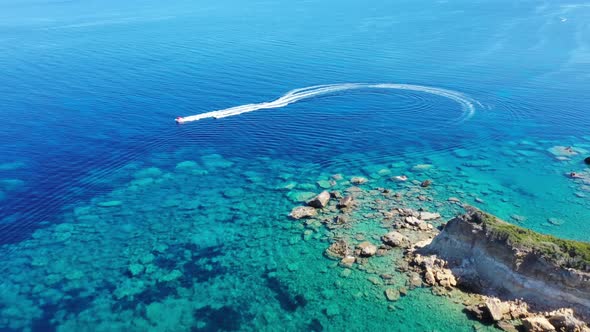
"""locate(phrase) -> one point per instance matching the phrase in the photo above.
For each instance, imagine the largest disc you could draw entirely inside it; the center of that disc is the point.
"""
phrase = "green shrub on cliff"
(566, 253)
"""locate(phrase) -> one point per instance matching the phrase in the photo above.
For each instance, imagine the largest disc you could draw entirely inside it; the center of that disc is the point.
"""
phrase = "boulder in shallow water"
(303, 212)
(392, 294)
(426, 183)
(587, 161)
(348, 261)
(367, 249)
(395, 239)
(320, 201)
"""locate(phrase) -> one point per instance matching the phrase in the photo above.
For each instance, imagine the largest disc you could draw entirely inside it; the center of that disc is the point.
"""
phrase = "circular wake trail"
(296, 95)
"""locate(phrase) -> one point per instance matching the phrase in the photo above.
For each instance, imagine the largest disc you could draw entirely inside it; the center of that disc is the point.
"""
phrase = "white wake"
(296, 95)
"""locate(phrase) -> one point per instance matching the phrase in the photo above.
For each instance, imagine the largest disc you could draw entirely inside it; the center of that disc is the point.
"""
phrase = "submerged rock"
(392, 294)
(337, 250)
(325, 184)
(345, 202)
(303, 212)
(358, 180)
(136, 269)
(110, 204)
(587, 161)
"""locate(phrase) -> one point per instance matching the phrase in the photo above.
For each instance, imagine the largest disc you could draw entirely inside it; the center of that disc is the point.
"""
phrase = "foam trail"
(296, 95)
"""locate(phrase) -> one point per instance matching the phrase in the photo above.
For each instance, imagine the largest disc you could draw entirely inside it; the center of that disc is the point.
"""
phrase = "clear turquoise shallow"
(98, 183)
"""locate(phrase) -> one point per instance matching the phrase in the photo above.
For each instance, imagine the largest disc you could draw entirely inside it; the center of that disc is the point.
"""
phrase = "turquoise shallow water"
(114, 218)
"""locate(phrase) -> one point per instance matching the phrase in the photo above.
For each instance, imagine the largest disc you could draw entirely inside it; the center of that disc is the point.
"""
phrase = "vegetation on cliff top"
(566, 253)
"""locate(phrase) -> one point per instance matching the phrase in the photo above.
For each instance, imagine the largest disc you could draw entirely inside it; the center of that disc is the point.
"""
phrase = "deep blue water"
(89, 91)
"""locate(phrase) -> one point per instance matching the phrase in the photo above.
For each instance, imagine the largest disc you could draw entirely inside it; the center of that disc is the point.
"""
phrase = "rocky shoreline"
(448, 257)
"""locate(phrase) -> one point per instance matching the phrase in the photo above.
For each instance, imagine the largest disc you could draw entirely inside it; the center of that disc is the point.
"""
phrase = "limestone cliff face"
(505, 267)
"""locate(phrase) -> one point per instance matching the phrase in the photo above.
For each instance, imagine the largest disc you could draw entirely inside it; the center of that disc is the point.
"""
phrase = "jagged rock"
(303, 212)
(424, 226)
(506, 326)
(411, 220)
(518, 309)
(564, 320)
(446, 278)
(320, 201)
(422, 244)
(345, 202)
(407, 213)
(367, 249)
(474, 244)
(358, 180)
(429, 277)
(477, 311)
(395, 239)
(537, 324)
(392, 294)
(414, 280)
(336, 194)
(337, 250)
(496, 308)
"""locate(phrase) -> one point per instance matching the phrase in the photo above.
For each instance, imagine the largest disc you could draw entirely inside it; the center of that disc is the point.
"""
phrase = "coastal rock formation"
(494, 257)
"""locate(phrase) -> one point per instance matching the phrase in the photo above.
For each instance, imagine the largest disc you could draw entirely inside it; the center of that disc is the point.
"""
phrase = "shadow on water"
(72, 303)
(315, 326)
(223, 319)
(202, 266)
(287, 300)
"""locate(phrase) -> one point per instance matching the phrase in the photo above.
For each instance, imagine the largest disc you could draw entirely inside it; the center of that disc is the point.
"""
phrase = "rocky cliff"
(493, 257)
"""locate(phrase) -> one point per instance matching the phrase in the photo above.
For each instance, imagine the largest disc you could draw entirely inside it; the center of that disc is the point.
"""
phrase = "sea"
(114, 217)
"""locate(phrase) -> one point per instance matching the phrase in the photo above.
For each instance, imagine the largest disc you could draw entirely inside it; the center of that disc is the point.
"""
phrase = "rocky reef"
(494, 257)
(506, 276)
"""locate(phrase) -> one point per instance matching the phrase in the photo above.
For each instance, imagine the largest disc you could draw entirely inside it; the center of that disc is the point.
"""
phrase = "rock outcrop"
(494, 257)
(320, 201)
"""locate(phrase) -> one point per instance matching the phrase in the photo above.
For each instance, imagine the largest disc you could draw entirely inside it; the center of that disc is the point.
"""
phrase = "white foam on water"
(296, 95)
